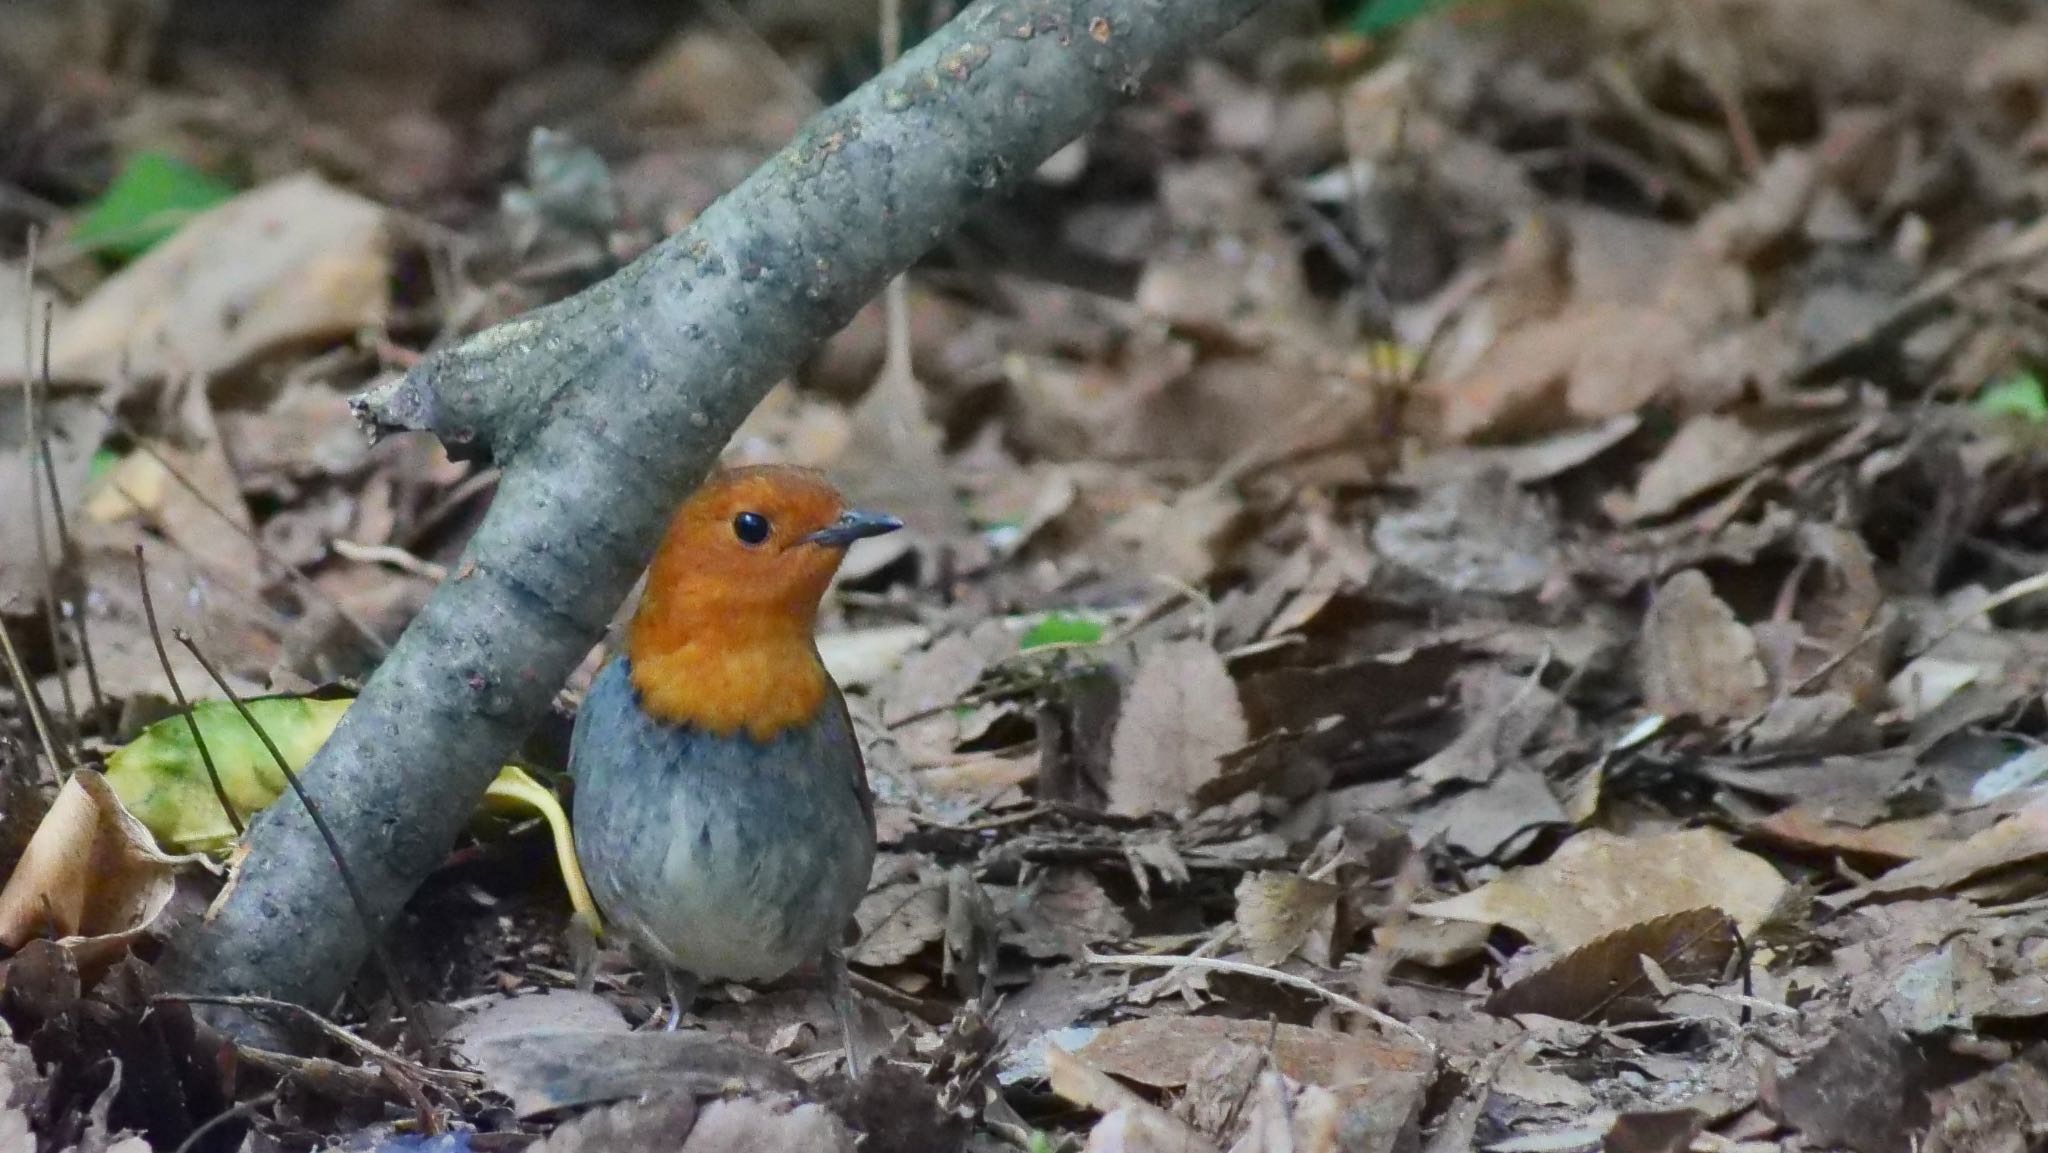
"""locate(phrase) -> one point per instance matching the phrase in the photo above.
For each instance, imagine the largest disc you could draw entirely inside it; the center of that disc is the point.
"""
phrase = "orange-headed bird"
(722, 814)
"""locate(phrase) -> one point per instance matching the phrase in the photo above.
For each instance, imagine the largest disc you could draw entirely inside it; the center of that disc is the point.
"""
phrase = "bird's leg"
(839, 985)
(679, 989)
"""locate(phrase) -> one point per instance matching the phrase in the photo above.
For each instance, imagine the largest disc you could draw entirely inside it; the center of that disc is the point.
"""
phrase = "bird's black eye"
(750, 527)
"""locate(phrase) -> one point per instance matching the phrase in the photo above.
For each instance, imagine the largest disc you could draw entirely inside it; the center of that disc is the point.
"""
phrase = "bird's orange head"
(723, 638)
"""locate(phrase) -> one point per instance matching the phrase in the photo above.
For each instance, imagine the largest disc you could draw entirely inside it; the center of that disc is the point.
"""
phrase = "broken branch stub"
(607, 407)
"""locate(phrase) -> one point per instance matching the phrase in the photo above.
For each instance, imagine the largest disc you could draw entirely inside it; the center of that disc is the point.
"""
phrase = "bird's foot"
(679, 990)
(839, 985)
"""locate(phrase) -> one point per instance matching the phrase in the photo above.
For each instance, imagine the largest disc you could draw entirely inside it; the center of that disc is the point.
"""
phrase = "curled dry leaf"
(1180, 717)
(1697, 659)
(1599, 883)
(1604, 980)
(91, 870)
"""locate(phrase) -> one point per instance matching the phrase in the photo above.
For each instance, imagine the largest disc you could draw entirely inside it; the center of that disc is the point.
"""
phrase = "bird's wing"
(860, 760)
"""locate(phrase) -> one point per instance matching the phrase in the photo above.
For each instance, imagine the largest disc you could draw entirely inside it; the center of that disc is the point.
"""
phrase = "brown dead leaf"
(2016, 840)
(1181, 716)
(1600, 883)
(1697, 658)
(1865, 1090)
(1130, 1130)
(898, 920)
(1183, 538)
(293, 262)
(1604, 980)
(652, 1124)
(185, 485)
(1163, 1052)
(565, 1048)
(1281, 913)
(1663, 1131)
(73, 425)
(779, 1125)
(1708, 452)
(1485, 536)
(91, 870)
(1079, 1081)
(1063, 914)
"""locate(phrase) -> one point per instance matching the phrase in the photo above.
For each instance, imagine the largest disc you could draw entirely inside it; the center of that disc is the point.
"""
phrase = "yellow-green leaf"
(160, 777)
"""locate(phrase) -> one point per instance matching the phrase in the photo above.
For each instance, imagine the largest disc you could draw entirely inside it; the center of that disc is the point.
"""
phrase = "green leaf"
(2018, 395)
(1376, 17)
(1062, 629)
(154, 196)
(160, 777)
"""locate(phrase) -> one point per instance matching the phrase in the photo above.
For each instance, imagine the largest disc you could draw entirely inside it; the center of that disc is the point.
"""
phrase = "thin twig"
(65, 544)
(1247, 969)
(156, 637)
(32, 700)
(303, 583)
(2026, 586)
(446, 1078)
(392, 555)
(33, 446)
(238, 1109)
(348, 877)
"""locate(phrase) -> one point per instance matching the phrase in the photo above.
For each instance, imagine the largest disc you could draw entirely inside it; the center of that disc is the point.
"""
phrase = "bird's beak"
(851, 526)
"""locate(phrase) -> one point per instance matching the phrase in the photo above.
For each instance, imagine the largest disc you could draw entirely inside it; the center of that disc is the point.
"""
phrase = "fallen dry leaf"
(1604, 980)
(1709, 451)
(2018, 839)
(564, 1048)
(1163, 1052)
(293, 262)
(1599, 883)
(899, 919)
(1697, 659)
(1865, 1090)
(1181, 716)
(1082, 1083)
(1279, 913)
(90, 871)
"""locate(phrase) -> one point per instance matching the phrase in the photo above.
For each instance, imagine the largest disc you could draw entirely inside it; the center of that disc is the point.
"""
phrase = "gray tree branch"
(606, 409)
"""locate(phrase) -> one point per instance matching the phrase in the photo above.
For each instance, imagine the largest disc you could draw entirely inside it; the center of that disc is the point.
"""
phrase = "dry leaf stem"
(1263, 973)
(163, 657)
(32, 701)
(66, 546)
(33, 446)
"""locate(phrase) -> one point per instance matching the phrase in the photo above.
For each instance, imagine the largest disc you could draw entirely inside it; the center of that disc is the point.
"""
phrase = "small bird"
(721, 810)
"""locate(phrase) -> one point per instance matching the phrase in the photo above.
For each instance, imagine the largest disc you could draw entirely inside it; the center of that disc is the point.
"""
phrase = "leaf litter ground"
(1478, 589)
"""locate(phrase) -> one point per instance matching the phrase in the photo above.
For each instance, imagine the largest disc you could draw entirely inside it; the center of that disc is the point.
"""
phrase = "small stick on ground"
(33, 701)
(33, 445)
(156, 637)
(404, 1067)
(348, 877)
(1246, 969)
(239, 1109)
(66, 545)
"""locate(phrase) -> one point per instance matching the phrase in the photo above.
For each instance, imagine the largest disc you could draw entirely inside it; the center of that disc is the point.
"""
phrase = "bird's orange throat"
(757, 676)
